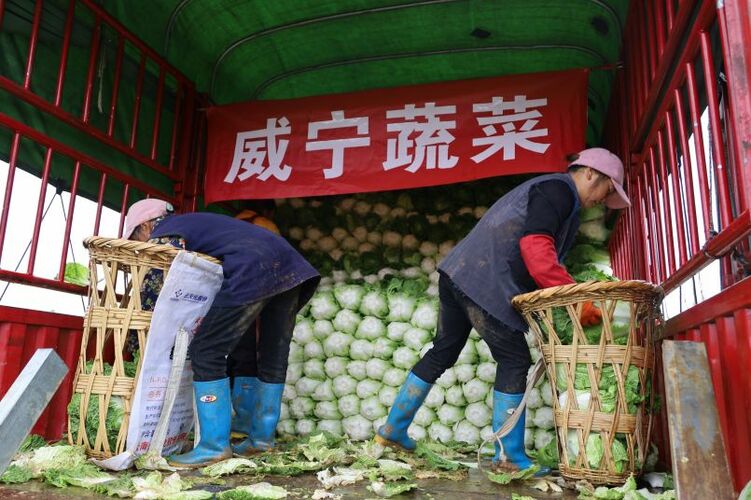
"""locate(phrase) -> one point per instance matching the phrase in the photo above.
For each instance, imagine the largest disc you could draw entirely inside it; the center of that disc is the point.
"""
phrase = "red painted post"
(654, 201)
(677, 192)
(100, 203)
(137, 103)
(33, 39)
(9, 188)
(718, 149)
(116, 85)
(688, 177)
(157, 114)
(64, 52)
(701, 167)
(666, 206)
(123, 210)
(93, 56)
(69, 219)
(40, 210)
(735, 34)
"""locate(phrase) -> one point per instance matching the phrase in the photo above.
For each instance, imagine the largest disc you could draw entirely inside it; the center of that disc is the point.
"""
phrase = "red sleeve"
(541, 259)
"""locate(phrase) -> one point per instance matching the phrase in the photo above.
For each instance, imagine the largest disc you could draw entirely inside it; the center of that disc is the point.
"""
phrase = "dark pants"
(226, 340)
(456, 316)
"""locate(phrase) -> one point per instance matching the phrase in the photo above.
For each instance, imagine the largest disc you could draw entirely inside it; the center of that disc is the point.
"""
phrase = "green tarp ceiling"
(237, 50)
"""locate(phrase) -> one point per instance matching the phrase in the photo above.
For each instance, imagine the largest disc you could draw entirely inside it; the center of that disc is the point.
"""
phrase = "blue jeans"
(457, 316)
(226, 343)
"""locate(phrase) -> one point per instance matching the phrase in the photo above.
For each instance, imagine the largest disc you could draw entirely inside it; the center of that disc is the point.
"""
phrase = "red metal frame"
(661, 106)
(179, 166)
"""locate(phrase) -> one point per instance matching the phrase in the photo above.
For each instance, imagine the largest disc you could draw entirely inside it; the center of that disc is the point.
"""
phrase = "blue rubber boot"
(513, 443)
(394, 432)
(268, 405)
(213, 408)
(244, 393)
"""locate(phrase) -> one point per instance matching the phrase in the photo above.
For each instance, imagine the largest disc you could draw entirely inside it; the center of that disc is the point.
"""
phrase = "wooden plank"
(700, 464)
(26, 399)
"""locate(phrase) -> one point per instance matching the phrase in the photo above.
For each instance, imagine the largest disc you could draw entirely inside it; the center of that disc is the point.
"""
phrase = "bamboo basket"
(114, 310)
(628, 352)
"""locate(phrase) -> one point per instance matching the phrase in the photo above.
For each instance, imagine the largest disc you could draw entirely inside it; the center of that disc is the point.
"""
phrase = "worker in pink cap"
(265, 279)
(516, 247)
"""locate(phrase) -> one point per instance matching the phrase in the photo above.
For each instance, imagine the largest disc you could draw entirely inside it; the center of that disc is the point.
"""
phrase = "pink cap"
(609, 164)
(143, 211)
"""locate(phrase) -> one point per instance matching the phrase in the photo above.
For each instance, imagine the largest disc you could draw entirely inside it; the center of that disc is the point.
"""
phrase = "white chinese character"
(337, 146)
(430, 147)
(252, 147)
(509, 138)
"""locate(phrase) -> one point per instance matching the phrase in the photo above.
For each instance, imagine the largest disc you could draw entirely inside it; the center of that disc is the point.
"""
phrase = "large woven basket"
(113, 312)
(623, 352)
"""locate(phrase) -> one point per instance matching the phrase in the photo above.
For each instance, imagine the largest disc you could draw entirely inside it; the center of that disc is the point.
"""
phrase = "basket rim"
(541, 298)
(136, 247)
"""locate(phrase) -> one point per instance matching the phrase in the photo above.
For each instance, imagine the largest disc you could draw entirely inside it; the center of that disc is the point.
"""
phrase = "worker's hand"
(590, 315)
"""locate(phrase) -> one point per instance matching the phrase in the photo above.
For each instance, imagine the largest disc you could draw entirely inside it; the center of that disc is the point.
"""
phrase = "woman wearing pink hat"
(516, 247)
(265, 278)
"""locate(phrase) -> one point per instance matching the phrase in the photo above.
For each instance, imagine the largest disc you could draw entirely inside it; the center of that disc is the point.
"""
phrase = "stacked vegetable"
(375, 315)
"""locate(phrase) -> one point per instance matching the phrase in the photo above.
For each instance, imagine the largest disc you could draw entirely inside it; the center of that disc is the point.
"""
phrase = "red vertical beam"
(687, 174)
(64, 52)
(670, 14)
(100, 203)
(677, 193)
(649, 41)
(40, 210)
(651, 244)
(644, 68)
(718, 149)
(137, 103)
(709, 336)
(666, 205)
(157, 114)
(69, 219)
(654, 201)
(33, 39)
(116, 85)
(701, 167)
(660, 23)
(93, 56)
(177, 115)
(9, 188)
(739, 421)
(123, 210)
(643, 228)
(735, 33)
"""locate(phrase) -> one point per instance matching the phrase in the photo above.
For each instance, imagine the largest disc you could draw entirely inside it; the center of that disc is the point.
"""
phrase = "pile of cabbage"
(375, 314)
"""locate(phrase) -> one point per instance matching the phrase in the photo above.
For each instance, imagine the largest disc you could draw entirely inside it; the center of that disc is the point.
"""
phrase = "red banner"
(422, 135)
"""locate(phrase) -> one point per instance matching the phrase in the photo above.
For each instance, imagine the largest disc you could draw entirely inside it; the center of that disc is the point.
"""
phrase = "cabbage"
(478, 414)
(486, 372)
(306, 386)
(475, 390)
(358, 369)
(322, 328)
(401, 307)
(387, 394)
(324, 391)
(449, 415)
(425, 315)
(370, 328)
(464, 372)
(396, 329)
(346, 321)
(367, 388)
(327, 410)
(384, 348)
(301, 407)
(303, 332)
(416, 338)
(376, 368)
(304, 427)
(349, 405)
(440, 432)
(455, 396)
(371, 408)
(344, 385)
(313, 368)
(358, 427)
(435, 397)
(465, 432)
(374, 303)
(337, 344)
(313, 350)
(323, 306)
(447, 378)
(335, 366)
(333, 426)
(394, 377)
(361, 349)
(404, 357)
